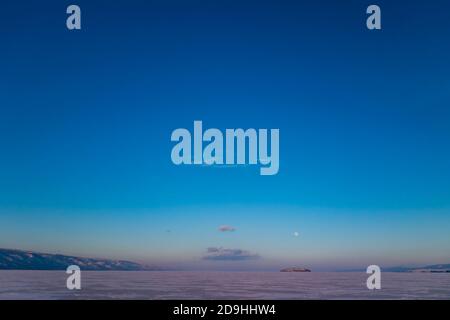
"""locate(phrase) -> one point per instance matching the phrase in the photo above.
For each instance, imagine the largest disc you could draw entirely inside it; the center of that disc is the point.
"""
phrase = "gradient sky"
(364, 118)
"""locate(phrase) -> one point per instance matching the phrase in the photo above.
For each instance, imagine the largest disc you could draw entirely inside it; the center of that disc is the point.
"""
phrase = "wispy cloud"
(222, 254)
(226, 228)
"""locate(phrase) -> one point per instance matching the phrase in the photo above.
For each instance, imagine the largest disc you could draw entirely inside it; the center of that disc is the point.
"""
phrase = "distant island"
(295, 270)
(28, 260)
(436, 268)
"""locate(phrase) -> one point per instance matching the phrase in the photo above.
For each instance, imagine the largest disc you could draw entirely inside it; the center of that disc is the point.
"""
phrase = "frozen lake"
(221, 285)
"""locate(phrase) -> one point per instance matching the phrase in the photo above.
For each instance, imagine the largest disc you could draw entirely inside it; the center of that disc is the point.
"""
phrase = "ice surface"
(221, 285)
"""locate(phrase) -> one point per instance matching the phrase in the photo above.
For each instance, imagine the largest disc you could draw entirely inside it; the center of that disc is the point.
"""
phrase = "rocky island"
(295, 270)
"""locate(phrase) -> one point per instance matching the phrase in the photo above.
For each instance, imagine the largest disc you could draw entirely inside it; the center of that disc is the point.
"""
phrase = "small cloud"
(296, 234)
(226, 228)
(222, 254)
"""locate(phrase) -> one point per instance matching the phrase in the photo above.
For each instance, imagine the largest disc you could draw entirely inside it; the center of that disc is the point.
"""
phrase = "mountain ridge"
(435, 268)
(13, 259)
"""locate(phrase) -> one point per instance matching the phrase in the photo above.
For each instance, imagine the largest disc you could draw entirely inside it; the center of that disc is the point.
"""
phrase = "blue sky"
(364, 119)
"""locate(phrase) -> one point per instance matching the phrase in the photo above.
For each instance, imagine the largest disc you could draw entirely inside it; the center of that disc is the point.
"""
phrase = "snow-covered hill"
(27, 260)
